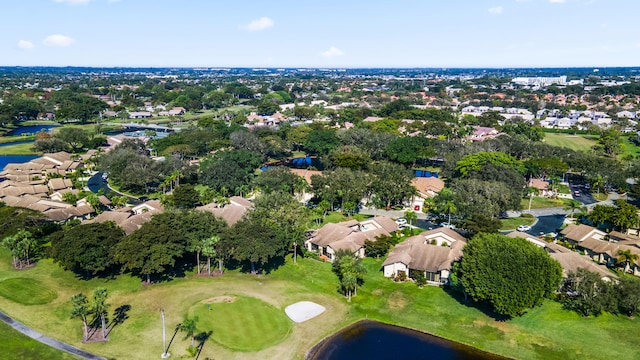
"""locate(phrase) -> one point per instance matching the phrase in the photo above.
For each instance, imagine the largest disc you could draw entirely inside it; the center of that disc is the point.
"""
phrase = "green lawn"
(513, 223)
(242, 323)
(15, 346)
(18, 149)
(629, 148)
(337, 216)
(547, 332)
(574, 142)
(26, 291)
(544, 203)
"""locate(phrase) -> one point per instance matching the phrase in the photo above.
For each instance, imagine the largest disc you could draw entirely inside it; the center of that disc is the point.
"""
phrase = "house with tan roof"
(348, 235)
(427, 187)
(152, 206)
(232, 212)
(432, 252)
(598, 246)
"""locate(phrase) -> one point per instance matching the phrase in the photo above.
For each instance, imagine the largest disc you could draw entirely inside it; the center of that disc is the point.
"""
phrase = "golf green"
(242, 323)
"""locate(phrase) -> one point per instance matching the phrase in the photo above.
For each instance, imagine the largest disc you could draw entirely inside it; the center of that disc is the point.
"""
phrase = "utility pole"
(165, 354)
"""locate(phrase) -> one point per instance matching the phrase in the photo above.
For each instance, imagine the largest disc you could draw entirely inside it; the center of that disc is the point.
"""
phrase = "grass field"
(26, 291)
(18, 149)
(629, 148)
(513, 223)
(574, 142)
(544, 203)
(547, 332)
(242, 323)
(15, 346)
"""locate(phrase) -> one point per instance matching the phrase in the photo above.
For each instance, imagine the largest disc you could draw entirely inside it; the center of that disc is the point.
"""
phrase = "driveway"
(585, 194)
(547, 224)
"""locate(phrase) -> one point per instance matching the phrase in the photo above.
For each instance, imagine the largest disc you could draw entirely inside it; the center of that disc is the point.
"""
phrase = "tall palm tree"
(572, 206)
(100, 307)
(411, 216)
(80, 309)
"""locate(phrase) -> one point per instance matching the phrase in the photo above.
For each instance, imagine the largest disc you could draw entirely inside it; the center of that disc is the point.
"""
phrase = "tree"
(87, 249)
(585, 293)
(208, 249)
(410, 216)
(349, 269)
(475, 162)
(200, 228)
(284, 216)
(480, 223)
(510, 274)
(321, 141)
(378, 247)
(444, 202)
(185, 196)
(80, 310)
(189, 327)
(155, 247)
(627, 259)
(229, 169)
(254, 242)
(20, 245)
(76, 138)
(100, 307)
(391, 183)
(278, 178)
(629, 295)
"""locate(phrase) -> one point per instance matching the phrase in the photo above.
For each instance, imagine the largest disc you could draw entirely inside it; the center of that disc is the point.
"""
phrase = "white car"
(523, 228)
(447, 225)
(401, 221)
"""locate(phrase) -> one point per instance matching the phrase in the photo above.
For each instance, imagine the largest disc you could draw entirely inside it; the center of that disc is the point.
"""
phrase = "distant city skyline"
(328, 33)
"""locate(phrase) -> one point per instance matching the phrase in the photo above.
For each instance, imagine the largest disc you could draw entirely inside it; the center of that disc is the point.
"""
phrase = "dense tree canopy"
(512, 275)
(87, 250)
(230, 169)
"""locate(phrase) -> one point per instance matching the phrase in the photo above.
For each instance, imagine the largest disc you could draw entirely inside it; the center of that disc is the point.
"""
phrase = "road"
(47, 340)
(96, 183)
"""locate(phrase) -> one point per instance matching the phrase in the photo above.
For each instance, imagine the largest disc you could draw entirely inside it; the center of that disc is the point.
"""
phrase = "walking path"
(47, 340)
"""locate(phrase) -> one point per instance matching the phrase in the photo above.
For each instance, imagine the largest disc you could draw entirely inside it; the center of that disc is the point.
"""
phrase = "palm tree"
(100, 307)
(627, 259)
(411, 216)
(572, 206)
(209, 250)
(189, 327)
(349, 282)
(80, 309)
(597, 182)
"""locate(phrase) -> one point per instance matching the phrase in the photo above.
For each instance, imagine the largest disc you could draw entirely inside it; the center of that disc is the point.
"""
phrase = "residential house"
(481, 133)
(432, 252)
(232, 212)
(348, 235)
(427, 187)
(152, 206)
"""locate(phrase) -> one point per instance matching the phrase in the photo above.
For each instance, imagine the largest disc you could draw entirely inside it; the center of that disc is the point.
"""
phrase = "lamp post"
(165, 354)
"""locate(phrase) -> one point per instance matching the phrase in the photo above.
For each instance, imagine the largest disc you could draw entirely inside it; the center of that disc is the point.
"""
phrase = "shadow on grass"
(119, 316)
(467, 301)
(201, 338)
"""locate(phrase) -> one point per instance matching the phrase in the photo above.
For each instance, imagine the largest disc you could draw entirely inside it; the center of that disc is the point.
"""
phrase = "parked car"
(523, 228)
(576, 193)
(447, 225)
(401, 221)
(587, 186)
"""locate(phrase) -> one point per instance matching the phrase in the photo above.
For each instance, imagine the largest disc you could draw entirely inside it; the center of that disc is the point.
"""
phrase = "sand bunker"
(303, 311)
(219, 299)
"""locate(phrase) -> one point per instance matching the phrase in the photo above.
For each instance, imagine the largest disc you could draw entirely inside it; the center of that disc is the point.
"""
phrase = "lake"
(32, 129)
(372, 340)
(15, 159)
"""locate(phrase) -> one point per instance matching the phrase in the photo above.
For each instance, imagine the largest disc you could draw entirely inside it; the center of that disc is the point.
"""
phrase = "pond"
(15, 159)
(31, 129)
(372, 340)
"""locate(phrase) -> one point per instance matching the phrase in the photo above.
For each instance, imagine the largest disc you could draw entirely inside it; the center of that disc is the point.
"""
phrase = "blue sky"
(323, 33)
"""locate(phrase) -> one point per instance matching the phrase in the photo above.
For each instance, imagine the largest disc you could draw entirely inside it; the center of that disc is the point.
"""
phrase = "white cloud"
(25, 45)
(332, 52)
(259, 24)
(557, 1)
(73, 2)
(496, 10)
(58, 40)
